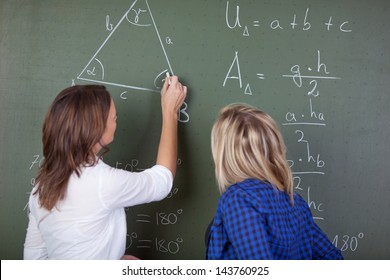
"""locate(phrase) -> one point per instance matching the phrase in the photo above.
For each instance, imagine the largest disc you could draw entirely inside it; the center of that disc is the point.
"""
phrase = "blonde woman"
(77, 204)
(258, 215)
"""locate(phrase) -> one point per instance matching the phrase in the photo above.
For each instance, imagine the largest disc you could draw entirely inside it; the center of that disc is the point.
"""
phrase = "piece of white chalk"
(169, 80)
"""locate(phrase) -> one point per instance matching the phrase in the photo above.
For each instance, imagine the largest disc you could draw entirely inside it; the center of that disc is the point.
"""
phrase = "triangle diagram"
(133, 55)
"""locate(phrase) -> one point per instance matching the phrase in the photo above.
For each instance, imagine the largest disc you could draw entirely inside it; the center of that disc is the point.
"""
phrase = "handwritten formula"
(233, 21)
(147, 225)
(305, 78)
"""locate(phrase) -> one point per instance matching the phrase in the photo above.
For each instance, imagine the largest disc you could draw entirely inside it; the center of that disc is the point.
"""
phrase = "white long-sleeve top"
(90, 223)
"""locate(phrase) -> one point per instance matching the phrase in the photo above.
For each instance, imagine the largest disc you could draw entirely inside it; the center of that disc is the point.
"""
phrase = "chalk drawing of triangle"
(133, 55)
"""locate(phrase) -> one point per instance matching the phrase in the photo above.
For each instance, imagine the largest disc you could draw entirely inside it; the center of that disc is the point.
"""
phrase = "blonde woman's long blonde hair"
(246, 143)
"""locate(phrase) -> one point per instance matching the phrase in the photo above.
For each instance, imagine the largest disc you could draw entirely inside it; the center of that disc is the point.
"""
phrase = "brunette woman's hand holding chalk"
(173, 94)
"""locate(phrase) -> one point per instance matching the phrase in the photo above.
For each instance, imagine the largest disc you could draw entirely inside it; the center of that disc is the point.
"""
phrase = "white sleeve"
(34, 246)
(121, 188)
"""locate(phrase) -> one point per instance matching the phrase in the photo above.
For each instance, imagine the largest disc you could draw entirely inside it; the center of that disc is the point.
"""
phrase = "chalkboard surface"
(320, 68)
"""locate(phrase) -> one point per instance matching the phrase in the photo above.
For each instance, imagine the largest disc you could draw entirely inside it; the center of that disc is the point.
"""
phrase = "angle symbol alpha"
(133, 55)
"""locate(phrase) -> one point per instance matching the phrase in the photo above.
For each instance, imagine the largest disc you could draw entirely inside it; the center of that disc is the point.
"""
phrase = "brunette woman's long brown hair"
(73, 125)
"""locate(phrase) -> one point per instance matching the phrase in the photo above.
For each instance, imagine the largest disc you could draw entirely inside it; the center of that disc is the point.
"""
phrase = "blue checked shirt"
(254, 220)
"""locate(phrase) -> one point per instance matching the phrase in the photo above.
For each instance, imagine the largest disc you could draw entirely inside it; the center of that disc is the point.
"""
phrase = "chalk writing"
(34, 165)
(316, 118)
(155, 243)
(316, 159)
(310, 162)
(313, 117)
(166, 246)
(130, 239)
(152, 220)
(109, 26)
(317, 208)
(295, 23)
(297, 77)
(347, 242)
(173, 192)
(237, 75)
(168, 41)
(234, 73)
(164, 219)
(132, 16)
(183, 115)
(37, 160)
(132, 166)
(159, 218)
(139, 15)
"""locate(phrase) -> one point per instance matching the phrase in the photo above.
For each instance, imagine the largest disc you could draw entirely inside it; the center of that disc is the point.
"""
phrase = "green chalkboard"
(320, 68)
